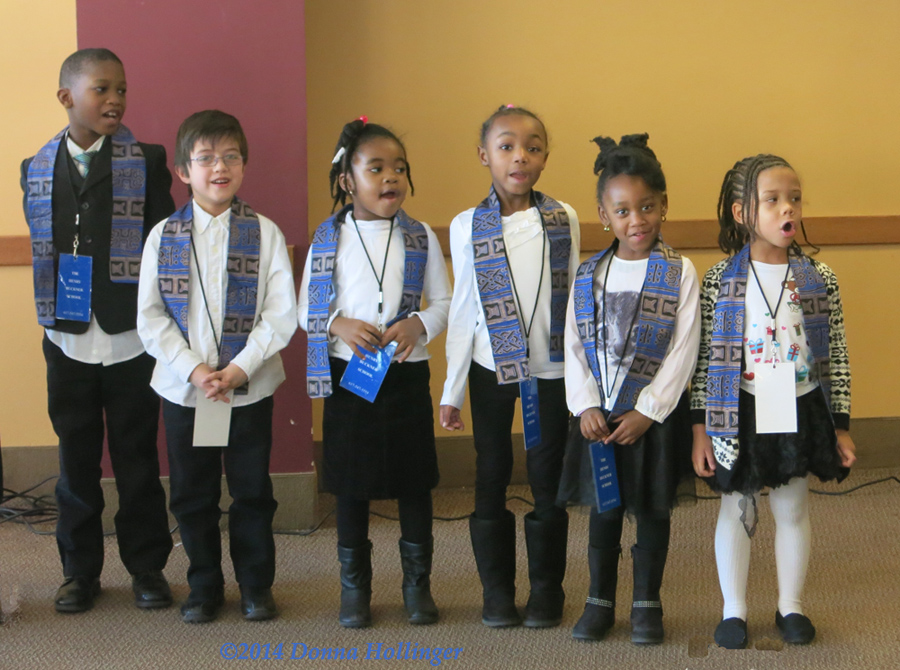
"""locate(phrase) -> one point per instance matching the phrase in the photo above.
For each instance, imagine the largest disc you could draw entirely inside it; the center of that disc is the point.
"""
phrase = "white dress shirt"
(275, 309)
(467, 334)
(661, 395)
(95, 346)
(356, 286)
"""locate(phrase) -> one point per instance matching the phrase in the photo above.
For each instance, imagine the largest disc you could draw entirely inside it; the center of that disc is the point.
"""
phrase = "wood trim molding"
(16, 250)
(824, 231)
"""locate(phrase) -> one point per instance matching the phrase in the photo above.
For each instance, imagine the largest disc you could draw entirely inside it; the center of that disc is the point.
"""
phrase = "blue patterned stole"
(321, 289)
(492, 274)
(129, 180)
(727, 346)
(243, 275)
(655, 324)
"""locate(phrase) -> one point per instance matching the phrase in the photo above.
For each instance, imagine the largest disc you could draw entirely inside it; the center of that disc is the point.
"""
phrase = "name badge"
(364, 376)
(776, 398)
(73, 288)
(606, 480)
(212, 421)
(531, 412)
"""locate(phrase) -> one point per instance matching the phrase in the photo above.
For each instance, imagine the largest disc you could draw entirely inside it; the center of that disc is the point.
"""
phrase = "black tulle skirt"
(651, 472)
(772, 459)
(385, 449)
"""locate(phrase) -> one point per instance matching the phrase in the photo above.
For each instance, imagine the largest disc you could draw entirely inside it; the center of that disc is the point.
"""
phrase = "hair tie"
(510, 106)
(339, 155)
(364, 119)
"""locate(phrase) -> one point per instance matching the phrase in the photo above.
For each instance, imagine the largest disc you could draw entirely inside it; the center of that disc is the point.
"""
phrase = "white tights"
(790, 507)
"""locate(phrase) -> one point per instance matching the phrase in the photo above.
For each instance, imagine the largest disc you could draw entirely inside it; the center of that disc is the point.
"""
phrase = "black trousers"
(196, 487)
(79, 394)
(493, 410)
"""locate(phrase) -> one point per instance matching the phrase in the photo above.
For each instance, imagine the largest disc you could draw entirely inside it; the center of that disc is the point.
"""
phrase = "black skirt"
(773, 459)
(385, 449)
(650, 471)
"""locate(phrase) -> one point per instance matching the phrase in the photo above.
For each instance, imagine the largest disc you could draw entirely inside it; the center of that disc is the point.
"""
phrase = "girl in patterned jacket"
(773, 330)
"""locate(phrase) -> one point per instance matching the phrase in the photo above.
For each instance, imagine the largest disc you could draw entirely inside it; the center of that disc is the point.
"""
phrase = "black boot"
(546, 541)
(646, 609)
(494, 544)
(416, 562)
(356, 585)
(600, 610)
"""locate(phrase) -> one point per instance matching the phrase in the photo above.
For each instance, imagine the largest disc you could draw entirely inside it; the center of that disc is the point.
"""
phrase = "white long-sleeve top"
(661, 395)
(467, 334)
(275, 312)
(356, 287)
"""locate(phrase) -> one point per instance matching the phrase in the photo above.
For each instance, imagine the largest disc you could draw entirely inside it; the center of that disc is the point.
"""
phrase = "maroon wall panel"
(248, 59)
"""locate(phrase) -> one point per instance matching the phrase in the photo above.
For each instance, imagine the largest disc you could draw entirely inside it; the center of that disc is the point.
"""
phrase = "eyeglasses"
(209, 160)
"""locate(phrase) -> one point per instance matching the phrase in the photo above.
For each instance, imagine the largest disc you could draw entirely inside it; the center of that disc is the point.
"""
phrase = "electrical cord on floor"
(43, 510)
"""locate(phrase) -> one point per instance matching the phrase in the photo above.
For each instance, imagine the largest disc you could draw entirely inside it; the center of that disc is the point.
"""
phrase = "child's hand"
(198, 378)
(593, 425)
(632, 425)
(222, 381)
(704, 461)
(846, 448)
(406, 332)
(451, 419)
(356, 334)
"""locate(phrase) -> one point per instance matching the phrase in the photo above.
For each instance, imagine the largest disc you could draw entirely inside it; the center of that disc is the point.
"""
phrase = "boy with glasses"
(215, 306)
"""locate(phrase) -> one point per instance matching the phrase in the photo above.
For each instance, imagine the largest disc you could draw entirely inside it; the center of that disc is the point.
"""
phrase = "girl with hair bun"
(514, 258)
(632, 333)
(368, 271)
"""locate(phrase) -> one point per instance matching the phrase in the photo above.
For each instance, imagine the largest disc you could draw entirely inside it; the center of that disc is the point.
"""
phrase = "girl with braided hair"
(369, 269)
(770, 397)
(631, 338)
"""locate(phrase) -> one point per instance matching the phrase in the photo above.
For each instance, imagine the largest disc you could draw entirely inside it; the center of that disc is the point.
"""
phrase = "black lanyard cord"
(609, 387)
(205, 301)
(378, 279)
(772, 313)
(528, 327)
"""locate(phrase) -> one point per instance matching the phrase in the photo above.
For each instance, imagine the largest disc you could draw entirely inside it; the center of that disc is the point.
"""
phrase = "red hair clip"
(364, 119)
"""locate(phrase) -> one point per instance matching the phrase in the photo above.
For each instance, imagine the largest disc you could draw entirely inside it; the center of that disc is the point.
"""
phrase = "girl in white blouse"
(632, 335)
(368, 271)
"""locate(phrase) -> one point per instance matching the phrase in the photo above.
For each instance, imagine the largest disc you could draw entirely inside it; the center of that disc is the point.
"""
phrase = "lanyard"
(604, 378)
(527, 327)
(205, 302)
(772, 313)
(378, 279)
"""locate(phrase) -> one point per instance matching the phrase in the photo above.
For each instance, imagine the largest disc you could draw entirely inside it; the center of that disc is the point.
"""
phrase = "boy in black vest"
(92, 194)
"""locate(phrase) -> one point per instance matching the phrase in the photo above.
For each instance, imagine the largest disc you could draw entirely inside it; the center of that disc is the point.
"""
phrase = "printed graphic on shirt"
(621, 309)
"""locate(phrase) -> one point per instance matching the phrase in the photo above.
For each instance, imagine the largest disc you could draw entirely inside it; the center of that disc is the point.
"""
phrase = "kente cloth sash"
(492, 274)
(657, 309)
(243, 275)
(129, 181)
(321, 289)
(726, 345)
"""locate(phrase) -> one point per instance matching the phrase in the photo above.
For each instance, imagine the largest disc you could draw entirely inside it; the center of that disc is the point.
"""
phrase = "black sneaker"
(795, 628)
(731, 633)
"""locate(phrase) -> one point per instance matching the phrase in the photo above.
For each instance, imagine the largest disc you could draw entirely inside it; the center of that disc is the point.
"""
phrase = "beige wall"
(818, 82)
(35, 38)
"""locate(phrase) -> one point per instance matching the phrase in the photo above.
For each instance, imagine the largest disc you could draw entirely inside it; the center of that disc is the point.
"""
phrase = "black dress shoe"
(795, 628)
(77, 594)
(151, 590)
(257, 603)
(202, 609)
(731, 633)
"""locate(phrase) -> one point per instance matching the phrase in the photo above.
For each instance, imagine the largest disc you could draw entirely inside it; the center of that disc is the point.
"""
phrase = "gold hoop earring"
(664, 218)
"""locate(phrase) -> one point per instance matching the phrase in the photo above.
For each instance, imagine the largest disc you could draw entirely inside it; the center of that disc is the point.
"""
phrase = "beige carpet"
(852, 595)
